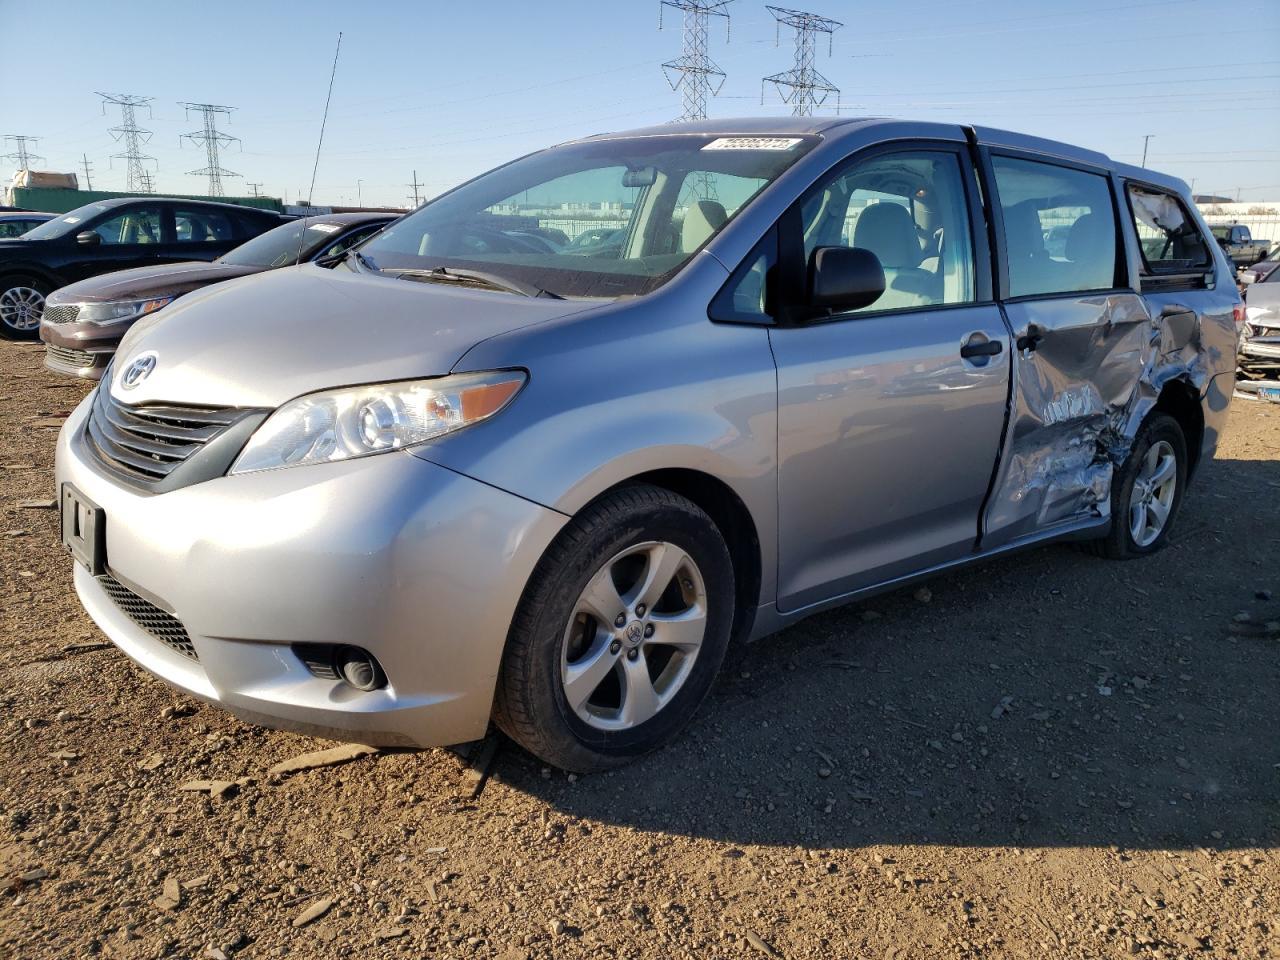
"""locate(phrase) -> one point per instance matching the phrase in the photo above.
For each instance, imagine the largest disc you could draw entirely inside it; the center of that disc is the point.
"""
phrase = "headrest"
(701, 219)
(887, 230)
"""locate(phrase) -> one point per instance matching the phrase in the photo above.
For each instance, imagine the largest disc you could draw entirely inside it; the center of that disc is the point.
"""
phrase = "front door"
(889, 417)
(132, 236)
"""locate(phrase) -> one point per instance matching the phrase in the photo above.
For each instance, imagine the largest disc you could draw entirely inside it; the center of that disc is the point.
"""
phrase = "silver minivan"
(543, 449)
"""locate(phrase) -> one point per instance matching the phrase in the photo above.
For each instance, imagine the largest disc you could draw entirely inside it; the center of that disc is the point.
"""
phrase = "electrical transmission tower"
(694, 73)
(137, 178)
(213, 139)
(255, 188)
(417, 202)
(803, 86)
(88, 184)
(21, 155)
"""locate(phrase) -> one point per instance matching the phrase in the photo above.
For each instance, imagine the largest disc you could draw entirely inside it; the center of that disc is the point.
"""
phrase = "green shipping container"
(60, 200)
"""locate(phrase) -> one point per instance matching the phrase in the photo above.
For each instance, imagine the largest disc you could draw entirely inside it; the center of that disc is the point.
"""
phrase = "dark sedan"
(14, 223)
(114, 235)
(83, 323)
(1265, 270)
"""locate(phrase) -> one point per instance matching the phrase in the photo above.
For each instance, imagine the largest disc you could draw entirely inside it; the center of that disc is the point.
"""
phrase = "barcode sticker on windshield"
(753, 143)
(324, 227)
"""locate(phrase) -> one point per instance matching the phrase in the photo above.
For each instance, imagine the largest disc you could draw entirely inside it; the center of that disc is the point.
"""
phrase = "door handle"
(981, 348)
(1031, 339)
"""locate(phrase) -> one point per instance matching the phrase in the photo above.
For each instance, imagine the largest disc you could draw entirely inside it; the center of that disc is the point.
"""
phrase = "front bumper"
(1259, 357)
(419, 565)
(80, 349)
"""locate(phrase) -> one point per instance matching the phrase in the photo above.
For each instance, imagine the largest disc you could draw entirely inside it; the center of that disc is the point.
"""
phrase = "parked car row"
(474, 470)
(83, 322)
(113, 235)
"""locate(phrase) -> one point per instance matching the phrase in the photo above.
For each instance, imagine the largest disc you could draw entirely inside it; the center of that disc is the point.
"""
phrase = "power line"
(212, 139)
(803, 86)
(21, 155)
(694, 73)
(137, 179)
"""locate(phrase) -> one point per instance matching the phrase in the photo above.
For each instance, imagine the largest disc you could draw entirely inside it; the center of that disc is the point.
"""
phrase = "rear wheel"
(1146, 492)
(620, 634)
(21, 306)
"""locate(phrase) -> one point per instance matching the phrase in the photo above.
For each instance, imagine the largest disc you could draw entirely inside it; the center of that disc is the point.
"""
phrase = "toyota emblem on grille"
(138, 371)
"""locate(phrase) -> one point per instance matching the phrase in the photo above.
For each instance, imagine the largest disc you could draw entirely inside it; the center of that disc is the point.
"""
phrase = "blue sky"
(453, 89)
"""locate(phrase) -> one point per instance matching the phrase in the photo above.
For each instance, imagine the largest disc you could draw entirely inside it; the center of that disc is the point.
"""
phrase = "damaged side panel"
(1088, 371)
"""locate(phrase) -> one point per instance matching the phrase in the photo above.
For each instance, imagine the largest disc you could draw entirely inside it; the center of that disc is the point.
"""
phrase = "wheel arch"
(1179, 399)
(21, 269)
(735, 523)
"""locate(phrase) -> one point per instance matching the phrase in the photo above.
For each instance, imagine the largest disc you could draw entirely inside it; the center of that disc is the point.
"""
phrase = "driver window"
(133, 226)
(909, 209)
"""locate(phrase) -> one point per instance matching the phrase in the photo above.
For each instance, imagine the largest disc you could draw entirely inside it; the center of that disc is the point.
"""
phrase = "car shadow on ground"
(1045, 699)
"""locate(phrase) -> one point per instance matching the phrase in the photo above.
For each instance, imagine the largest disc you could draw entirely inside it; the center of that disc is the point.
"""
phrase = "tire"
(1159, 433)
(558, 644)
(21, 306)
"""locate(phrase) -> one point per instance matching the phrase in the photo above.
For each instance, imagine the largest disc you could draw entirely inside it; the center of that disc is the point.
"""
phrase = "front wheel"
(1146, 492)
(620, 632)
(21, 306)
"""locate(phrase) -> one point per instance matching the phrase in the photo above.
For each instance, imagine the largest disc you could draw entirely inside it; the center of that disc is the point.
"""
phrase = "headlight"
(120, 309)
(358, 421)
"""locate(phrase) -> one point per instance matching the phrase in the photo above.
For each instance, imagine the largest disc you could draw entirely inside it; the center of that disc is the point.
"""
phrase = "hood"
(170, 279)
(271, 337)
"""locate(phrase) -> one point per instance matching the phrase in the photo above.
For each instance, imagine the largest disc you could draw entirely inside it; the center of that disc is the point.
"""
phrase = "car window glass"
(604, 218)
(349, 241)
(201, 226)
(141, 225)
(910, 210)
(1059, 228)
(1169, 238)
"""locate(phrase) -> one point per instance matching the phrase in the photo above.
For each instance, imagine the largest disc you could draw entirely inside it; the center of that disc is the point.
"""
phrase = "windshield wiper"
(454, 275)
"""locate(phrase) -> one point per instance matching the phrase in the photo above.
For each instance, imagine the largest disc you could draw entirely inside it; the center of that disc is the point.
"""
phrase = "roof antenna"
(323, 120)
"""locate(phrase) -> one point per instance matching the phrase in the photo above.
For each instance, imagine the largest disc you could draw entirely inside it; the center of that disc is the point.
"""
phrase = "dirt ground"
(1048, 756)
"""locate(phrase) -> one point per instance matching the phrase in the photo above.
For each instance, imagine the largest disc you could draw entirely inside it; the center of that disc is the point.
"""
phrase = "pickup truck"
(1239, 244)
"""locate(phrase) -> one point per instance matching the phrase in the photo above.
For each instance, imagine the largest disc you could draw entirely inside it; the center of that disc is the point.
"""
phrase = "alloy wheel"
(21, 308)
(1151, 500)
(633, 636)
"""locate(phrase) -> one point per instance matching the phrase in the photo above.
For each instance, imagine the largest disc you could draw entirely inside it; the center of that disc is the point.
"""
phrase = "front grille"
(61, 314)
(164, 626)
(149, 441)
(68, 357)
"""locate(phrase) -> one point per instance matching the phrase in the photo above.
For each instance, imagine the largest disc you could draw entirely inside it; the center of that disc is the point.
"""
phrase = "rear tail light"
(1238, 315)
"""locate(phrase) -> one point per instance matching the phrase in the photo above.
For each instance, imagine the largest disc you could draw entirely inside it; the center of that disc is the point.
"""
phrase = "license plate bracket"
(84, 530)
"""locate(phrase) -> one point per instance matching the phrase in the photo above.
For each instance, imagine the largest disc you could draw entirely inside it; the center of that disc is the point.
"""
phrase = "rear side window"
(201, 226)
(1059, 228)
(1169, 238)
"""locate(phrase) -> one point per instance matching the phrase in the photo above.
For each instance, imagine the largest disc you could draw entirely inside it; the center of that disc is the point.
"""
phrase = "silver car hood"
(262, 340)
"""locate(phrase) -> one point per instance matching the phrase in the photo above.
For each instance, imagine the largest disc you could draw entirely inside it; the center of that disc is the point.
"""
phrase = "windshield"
(279, 247)
(67, 223)
(603, 218)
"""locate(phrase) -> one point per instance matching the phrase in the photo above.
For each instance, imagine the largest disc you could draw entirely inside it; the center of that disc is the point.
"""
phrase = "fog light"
(359, 668)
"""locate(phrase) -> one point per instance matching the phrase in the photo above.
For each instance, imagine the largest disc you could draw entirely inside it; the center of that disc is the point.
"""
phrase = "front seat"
(1091, 249)
(701, 220)
(887, 230)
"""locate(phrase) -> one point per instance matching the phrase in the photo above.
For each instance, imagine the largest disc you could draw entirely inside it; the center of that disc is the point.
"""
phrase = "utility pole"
(212, 138)
(359, 193)
(88, 184)
(254, 188)
(21, 155)
(416, 201)
(137, 180)
(803, 86)
(694, 73)
(1145, 140)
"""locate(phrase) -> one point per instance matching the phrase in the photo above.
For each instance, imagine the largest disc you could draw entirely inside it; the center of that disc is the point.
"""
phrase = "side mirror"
(89, 238)
(844, 278)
